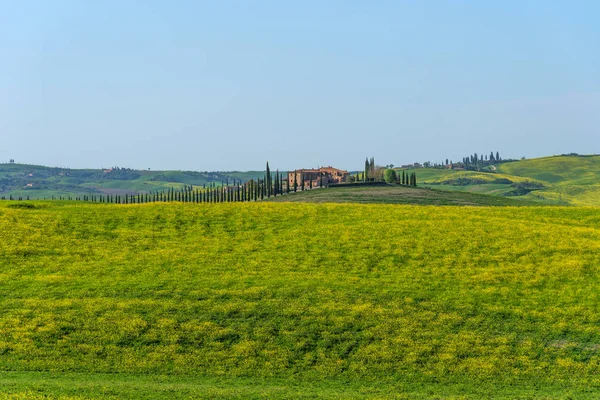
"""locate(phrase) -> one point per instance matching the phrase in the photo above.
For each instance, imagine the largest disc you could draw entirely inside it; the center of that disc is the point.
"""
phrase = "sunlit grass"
(381, 296)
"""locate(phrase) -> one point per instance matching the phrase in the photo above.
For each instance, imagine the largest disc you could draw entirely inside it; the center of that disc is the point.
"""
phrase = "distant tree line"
(473, 161)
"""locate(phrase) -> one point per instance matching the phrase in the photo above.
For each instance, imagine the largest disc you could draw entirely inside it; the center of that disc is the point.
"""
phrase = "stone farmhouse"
(329, 175)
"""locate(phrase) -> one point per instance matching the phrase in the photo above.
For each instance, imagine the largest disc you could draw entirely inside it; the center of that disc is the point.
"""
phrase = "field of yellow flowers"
(298, 300)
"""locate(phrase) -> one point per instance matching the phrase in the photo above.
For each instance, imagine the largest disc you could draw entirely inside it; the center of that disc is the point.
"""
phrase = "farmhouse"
(415, 165)
(329, 175)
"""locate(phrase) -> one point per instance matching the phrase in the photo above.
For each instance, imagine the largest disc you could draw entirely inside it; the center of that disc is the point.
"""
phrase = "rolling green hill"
(567, 180)
(298, 300)
(575, 170)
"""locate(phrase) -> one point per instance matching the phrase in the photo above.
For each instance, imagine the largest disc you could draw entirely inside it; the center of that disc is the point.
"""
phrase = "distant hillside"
(571, 179)
(40, 182)
(576, 170)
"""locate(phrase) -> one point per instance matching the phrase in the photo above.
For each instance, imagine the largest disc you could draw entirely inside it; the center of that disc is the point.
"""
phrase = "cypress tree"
(268, 180)
(295, 181)
(262, 191)
(372, 168)
(302, 180)
(280, 183)
(366, 172)
(266, 185)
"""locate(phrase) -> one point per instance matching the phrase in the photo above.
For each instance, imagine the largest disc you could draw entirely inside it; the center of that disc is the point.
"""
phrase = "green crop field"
(298, 300)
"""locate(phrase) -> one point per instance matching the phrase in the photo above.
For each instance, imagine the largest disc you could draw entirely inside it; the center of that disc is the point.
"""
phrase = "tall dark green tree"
(268, 180)
(372, 168)
(295, 181)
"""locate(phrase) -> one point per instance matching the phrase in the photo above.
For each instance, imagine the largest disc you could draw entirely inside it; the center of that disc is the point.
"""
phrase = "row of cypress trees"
(406, 178)
(251, 190)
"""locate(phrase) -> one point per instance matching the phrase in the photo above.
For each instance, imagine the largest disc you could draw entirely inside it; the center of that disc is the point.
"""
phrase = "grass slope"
(298, 301)
(576, 170)
(396, 194)
(566, 180)
(570, 179)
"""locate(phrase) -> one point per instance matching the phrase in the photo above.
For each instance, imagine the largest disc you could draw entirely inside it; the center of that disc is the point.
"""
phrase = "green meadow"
(298, 300)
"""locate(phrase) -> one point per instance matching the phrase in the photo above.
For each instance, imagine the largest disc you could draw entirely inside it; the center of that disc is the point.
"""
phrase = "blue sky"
(227, 85)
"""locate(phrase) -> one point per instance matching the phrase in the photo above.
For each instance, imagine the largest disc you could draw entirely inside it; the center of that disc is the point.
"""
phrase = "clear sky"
(228, 85)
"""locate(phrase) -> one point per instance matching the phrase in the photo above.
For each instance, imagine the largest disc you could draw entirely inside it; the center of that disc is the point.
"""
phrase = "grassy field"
(291, 300)
(396, 194)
